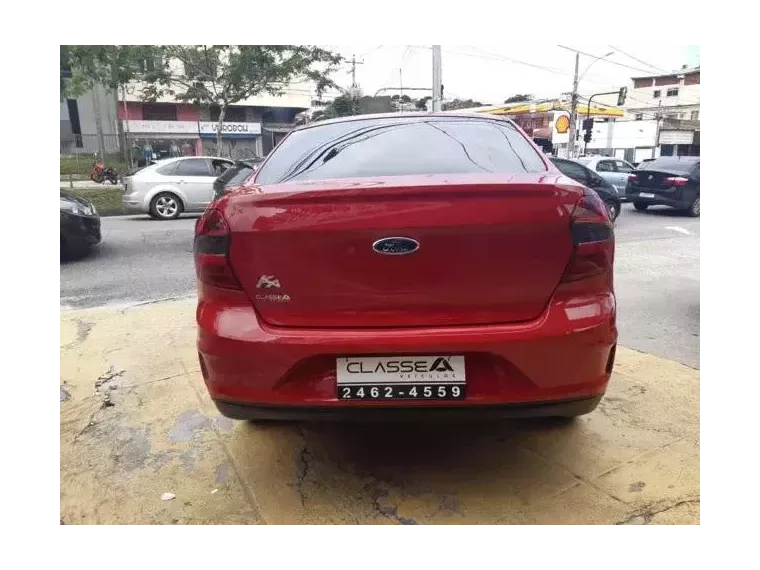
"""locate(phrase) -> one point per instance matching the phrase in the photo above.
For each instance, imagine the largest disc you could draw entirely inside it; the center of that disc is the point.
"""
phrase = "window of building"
(76, 127)
(157, 112)
(695, 115)
(232, 114)
(672, 92)
(656, 94)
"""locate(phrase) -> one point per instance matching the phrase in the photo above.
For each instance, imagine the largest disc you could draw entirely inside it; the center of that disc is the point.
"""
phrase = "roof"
(443, 114)
(674, 72)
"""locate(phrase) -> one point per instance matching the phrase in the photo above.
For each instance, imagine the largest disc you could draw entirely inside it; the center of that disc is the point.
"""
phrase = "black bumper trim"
(564, 408)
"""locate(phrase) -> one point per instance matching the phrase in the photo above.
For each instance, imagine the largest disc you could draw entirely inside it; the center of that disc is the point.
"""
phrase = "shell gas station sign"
(560, 122)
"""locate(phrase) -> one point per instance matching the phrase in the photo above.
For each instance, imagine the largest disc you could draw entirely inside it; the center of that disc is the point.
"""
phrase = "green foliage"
(519, 98)
(224, 75)
(421, 104)
(81, 164)
(111, 66)
(107, 200)
(342, 106)
(461, 104)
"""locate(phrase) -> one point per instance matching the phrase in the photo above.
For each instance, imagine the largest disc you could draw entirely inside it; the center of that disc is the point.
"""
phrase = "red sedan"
(405, 265)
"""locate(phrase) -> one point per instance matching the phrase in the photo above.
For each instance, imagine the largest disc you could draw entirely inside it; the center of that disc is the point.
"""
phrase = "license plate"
(646, 195)
(401, 377)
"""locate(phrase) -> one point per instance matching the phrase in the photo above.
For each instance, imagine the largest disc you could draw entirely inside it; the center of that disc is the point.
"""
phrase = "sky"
(490, 74)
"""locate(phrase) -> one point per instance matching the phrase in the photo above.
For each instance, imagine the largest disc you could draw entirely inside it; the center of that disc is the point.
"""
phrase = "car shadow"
(488, 470)
(147, 218)
(662, 211)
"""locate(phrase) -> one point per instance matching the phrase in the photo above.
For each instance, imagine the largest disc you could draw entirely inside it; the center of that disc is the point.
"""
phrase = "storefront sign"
(230, 130)
(162, 127)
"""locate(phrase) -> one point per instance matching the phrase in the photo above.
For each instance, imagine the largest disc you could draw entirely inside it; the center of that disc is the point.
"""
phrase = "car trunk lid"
(492, 249)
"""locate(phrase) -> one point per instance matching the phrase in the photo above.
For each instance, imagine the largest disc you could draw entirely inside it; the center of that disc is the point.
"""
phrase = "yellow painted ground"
(136, 422)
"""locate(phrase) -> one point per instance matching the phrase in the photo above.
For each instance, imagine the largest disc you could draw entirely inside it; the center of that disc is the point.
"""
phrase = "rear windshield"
(236, 175)
(401, 146)
(670, 164)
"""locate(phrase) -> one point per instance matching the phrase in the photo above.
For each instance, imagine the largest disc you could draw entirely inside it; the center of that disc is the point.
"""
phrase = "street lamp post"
(574, 100)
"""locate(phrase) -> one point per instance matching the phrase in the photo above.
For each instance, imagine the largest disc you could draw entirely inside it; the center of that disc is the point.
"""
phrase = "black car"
(235, 176)
(80, 225)
(666, 181)
(584, 175)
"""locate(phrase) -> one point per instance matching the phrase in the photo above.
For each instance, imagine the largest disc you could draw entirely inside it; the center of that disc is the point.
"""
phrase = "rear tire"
(693, 210)
(165, 206)
(640, 207)
(613, 210)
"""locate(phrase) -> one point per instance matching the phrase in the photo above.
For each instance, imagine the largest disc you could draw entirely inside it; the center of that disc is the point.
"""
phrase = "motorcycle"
(100, 173)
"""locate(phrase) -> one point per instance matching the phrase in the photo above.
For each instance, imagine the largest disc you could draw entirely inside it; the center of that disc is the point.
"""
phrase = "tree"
(342, 106)
(85, 67)
(519, 98)
(421, 104)
(461, 104)
(224, 75)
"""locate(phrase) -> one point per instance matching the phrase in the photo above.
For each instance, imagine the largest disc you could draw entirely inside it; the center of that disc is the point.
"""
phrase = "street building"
(165, 127)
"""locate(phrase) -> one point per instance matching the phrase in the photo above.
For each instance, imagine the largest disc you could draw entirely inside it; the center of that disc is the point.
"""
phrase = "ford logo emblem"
(396, 246)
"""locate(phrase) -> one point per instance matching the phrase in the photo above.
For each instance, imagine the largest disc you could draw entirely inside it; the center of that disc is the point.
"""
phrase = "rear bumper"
(680, 200)
(566, 354)
(566, 408)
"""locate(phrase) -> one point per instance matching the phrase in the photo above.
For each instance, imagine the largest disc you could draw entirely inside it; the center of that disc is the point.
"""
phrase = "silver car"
(171, 186)
(613, 170)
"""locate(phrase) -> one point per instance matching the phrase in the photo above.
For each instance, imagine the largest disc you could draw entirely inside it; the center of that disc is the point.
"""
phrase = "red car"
(406, 265)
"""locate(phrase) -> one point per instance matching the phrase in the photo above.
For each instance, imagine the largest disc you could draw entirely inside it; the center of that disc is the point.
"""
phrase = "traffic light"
(587, 136)
(621, 96)
(588, 124)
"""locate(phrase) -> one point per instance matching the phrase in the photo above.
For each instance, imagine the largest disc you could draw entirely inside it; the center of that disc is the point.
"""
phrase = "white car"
(171, 186)
(613, 170)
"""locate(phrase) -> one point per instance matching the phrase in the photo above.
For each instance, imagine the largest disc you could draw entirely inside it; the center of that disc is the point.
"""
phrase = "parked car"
(613, 170)
(666, 181)
(235, 176)
(171, 186)
(403, 265)
(80, 225)
(584, 175)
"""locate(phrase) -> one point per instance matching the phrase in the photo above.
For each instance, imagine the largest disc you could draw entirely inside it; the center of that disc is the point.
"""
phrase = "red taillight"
(676, 181)
(593, 239)
(212, 243)
(632, 176)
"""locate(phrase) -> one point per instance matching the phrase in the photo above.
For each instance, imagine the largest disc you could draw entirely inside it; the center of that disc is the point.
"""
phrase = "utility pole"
(573, 108)
(437, 79)
(354, 63)
(400, 85)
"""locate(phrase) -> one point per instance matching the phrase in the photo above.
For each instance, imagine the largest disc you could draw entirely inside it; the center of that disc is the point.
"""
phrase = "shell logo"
(562, 124)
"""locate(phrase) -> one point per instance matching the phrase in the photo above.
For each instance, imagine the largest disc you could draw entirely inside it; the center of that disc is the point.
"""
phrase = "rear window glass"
(670, 163)
(236, 175)
(403, 146)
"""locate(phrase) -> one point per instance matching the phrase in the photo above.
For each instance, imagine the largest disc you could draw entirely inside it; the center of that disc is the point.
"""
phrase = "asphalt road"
(656, 277)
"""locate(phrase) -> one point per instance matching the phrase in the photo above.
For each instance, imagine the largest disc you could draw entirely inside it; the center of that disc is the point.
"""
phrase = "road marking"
(679, 230)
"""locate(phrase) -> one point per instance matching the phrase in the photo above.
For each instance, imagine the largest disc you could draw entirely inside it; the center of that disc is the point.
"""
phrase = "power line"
(639, 60)
(604, 59)
(487, 55)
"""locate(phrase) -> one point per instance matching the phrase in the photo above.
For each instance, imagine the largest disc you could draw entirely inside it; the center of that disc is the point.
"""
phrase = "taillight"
(633, 176)
(676, 181)
(211, 246)
(593, 239)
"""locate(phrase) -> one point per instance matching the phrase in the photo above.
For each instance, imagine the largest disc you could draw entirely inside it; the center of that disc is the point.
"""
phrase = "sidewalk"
(136, 422)
(82, 184)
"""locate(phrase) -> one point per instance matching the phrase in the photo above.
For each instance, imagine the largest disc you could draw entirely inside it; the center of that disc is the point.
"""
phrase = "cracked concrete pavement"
(136, 422)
